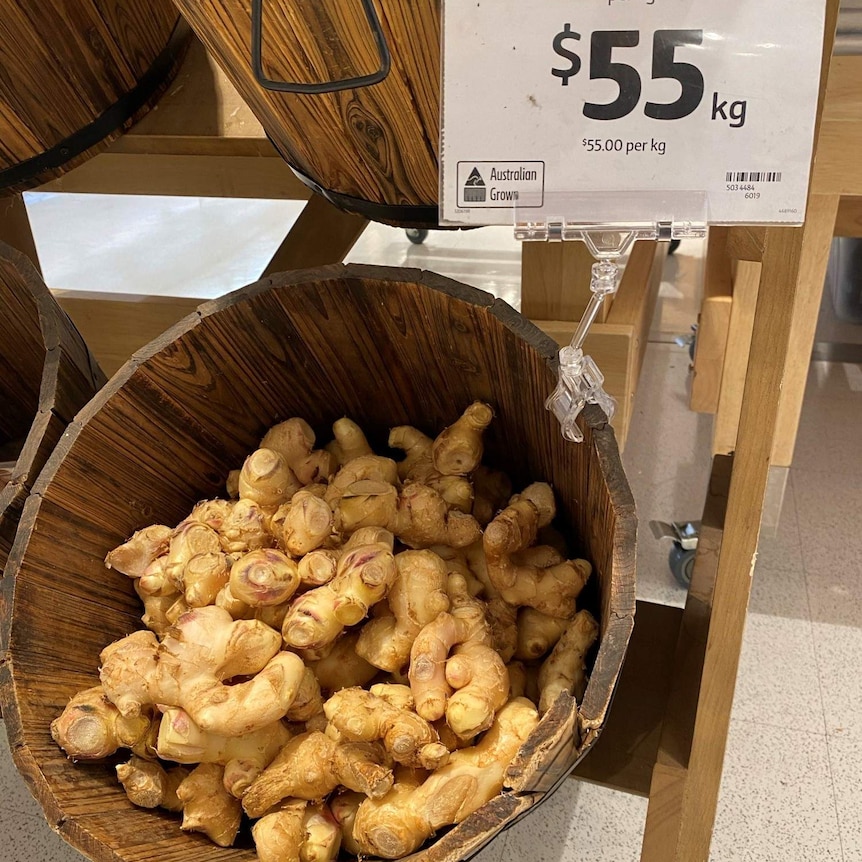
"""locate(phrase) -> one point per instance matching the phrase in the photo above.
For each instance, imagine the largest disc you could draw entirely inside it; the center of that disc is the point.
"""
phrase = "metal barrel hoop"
(325, 87)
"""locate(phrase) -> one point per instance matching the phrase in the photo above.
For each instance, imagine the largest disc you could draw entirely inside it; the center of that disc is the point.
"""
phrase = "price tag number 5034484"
(664, 66)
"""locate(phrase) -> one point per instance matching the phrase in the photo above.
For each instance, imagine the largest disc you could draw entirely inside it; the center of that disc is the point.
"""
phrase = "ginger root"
(350, 442)
(306, 524)
(344, 808)
(317, 617)
(204, 576)
(418, 466)
(264, 578)
(297, 832)
(322, 839)
(565, 668)
(189, 667)
(481, 680)
(537, 634)
(318, 567)
(464, 623)
(92, 728)
(458, 449)
(133, 557)
(360, 716)
(401, 821)
(417, 597)
(552, 589)
(294, 441)
(244, 757)
(244, 529)
(150, 785)
(266, 479)
(278, 836)
(208, 807)
(418, 516)
(366, 468)
(342, 666)
(311, 766)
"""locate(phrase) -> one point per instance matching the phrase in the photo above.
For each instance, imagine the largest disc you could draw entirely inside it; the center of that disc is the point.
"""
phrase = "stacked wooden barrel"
(371, 148)
(46, 376)
(74, 74)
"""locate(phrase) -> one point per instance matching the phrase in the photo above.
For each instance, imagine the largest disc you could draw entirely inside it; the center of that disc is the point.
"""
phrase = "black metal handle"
(329, 86)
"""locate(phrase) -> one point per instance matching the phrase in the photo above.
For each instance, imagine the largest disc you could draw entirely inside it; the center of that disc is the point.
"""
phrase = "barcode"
(754, 176)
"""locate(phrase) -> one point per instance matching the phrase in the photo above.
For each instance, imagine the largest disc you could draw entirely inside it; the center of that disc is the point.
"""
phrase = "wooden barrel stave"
(376, 144)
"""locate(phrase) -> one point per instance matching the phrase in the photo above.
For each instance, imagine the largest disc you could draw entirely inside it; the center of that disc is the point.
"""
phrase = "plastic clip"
(580, 380)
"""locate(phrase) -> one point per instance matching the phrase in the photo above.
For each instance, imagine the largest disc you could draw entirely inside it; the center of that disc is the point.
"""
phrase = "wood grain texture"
(384, 346)
(46, 376)
(321, 235)
(735, 367)
(378, 143)
(555, 281)
(711, 348)
(63, 64)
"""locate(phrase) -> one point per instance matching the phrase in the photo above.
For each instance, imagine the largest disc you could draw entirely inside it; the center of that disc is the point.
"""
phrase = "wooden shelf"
(626, 752)
(200, 140)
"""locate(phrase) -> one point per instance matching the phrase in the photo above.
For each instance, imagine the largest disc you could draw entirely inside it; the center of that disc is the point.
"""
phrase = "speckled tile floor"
(791, 789)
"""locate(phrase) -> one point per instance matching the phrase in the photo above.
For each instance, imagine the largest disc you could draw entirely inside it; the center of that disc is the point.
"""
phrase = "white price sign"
(621, 110)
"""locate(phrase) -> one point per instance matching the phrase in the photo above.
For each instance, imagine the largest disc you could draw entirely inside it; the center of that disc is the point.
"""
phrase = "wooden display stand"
(734, 274)
(202, 140)
(666, 737)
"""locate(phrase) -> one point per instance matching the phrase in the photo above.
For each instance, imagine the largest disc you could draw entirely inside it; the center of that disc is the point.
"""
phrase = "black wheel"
(674, 245)
(416, 235)
(682, 564)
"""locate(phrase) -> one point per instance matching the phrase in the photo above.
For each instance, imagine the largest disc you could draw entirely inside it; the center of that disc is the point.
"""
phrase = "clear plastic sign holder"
(581, 381)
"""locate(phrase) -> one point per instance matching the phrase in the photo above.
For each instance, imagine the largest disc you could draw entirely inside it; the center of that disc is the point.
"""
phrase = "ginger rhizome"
(399, 823)
(565, 669)
(417, 598)
(361, 716)
(312, 765)
(92, 728)
(350, 649)
(465, 623)
(208, 807)
(189, 667)
(149, 785)
(297, 832)
(551, 589)
(417, 515)
(363, 577)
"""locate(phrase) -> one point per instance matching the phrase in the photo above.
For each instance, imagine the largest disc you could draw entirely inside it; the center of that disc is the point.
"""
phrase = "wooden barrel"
(46, 376)
(383, 346)
(370, 149)
(74, 74)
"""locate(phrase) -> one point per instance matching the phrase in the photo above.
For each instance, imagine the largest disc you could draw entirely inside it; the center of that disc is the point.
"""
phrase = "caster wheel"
(416, 235)
(682, 564)
(674, 245)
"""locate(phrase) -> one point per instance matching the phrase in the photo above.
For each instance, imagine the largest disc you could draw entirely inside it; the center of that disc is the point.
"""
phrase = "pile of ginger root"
(350, 651)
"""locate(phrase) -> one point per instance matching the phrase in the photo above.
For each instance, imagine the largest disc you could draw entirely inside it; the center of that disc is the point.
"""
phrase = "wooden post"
(555, 280)
(687, 776)
(321, 235)
(816, 244)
